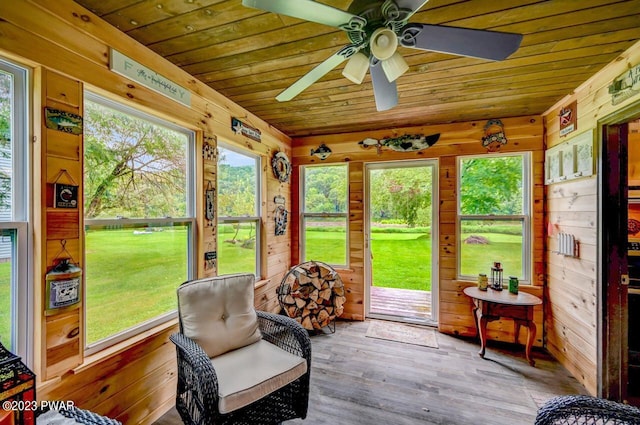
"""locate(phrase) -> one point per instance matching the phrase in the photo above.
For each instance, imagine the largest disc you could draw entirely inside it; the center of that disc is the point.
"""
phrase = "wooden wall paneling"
(356, 242)
(574, 206)
(59, 156)
(208, 160)
(294, 215)
(71, 46)
(278, 259)
(161, 376)
(81, 386)
(523, 133)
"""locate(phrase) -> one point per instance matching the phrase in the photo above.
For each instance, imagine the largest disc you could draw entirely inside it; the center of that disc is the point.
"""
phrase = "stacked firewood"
(313, 294)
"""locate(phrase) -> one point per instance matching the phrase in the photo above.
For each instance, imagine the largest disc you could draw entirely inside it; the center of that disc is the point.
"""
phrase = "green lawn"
(328, 247)
(507, 249)
(238, 257)
(132, 278)
(401, 260)
(5, 304)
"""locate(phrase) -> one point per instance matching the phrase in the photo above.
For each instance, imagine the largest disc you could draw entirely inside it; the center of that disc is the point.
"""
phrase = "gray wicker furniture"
(73, 416)
(586, 410)
(237, 365)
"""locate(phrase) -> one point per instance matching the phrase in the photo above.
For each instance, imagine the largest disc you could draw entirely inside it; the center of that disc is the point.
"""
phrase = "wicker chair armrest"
(586, 410)
(285, 333)
(196, 374)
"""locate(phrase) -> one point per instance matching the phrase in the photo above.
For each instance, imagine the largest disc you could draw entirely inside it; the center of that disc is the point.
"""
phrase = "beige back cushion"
(218, 313)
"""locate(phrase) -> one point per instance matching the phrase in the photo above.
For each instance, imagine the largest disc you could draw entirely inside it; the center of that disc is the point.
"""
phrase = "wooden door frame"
(435, 232)
(612, 319)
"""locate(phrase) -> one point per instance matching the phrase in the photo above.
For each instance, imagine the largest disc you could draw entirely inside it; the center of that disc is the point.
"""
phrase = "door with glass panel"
(402, 235)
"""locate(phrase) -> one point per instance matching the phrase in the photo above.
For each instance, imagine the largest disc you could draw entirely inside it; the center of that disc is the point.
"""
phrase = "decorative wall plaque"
(66, 122)
(65, 195)
(321, 152)
(281, 166)
(569, 118)
(570, 160)
(494, 136)
(625, 85)
(209, 197)
(405, 143)
(135, 71)
(210, 259)
(239, 127)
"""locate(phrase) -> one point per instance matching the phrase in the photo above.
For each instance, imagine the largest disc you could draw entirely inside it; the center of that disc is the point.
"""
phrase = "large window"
(14, 288)
(324, 214)
(238, 211)
(494, 215)
(139, 219)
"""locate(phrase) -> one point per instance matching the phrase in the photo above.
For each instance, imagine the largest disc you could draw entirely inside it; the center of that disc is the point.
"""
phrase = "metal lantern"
(496, 276)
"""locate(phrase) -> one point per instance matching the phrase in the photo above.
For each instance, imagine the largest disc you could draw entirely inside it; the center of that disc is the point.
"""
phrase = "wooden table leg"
(531, 326)
(483, 333)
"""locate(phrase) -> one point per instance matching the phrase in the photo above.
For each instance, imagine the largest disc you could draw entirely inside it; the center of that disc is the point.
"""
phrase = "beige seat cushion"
(218, 313)
(254, 371)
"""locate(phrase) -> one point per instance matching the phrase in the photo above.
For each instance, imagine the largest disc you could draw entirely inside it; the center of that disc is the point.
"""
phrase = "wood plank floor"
(401, 302)
(357, 380)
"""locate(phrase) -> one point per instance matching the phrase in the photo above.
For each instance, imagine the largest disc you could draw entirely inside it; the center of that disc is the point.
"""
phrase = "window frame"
(525, 218)
(304, 216)
(257, 219)
(189, 220)
(18, 227)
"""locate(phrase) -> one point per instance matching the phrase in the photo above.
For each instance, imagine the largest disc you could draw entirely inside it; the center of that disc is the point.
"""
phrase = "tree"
(402, 193)
(491, 186)
(236, 190)
(133, 167)
(325, 189)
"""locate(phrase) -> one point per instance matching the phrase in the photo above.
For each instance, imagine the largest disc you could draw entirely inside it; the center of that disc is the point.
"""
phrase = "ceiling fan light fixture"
(383, 43)
(356, 68)
(394, 67)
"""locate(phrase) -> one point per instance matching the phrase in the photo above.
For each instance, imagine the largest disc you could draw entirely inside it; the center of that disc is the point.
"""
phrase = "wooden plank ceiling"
(250, 56)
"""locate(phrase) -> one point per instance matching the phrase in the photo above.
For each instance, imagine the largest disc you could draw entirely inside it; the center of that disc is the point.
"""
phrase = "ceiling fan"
(375, 29)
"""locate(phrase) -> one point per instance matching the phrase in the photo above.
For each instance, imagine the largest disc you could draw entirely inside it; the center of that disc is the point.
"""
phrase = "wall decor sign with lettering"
(239, 127)
(65, 194)
(569, 118)
(625, 85)
(210, 259)
(135, 71)
(66, 122)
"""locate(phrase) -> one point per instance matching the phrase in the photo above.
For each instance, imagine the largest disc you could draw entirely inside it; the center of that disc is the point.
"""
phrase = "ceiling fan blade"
(385, 92)
(483, 44)
(413, 5)
(318, 72)
(303, 9)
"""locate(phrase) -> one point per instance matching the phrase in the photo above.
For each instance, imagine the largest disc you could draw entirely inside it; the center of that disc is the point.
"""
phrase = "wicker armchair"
(586, 410)
(239, 366)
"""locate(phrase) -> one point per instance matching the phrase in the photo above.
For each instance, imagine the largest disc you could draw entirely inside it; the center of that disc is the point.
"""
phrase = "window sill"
(121, 346)
(261, 283)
